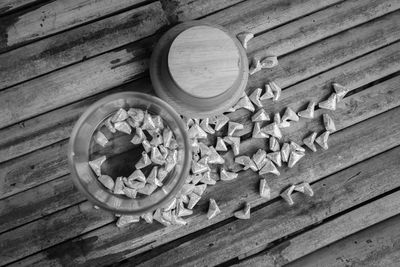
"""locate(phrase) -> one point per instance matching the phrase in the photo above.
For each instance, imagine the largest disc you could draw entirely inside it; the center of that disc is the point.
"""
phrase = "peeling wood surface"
(88, 49)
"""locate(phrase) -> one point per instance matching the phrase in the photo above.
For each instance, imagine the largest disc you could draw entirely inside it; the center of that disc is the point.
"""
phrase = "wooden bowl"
(199, 68)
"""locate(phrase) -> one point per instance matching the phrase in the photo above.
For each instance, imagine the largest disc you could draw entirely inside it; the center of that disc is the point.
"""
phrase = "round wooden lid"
(204, 61)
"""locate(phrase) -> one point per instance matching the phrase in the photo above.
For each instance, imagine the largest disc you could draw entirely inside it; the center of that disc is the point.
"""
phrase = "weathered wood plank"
(317, 26)
(15, 142)
(327, 233)
(38, 202)
(183, 10)
(344, 46)
(74, 83)
(258, 16)
(7, 6)
(333, 194)
(347, 148)
(375, 246)
(78, 44)
(69, 222)
(52, 17)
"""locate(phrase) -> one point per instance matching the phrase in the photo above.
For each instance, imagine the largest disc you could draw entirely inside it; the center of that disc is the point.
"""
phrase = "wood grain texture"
(38, 202)
(377, 245)
(43, 130)
(32, 169)
(184, 10)
(347, 148)
(74, 82)
(79, 44)
(52, 17)
(7, 6)
(203, 61)
(333, 194)
(353, 74)
(341, 47)
(258, 15)
(317, 26)
(327, 233)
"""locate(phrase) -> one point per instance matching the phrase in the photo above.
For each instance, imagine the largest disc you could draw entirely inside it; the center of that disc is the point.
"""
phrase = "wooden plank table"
(57, 58)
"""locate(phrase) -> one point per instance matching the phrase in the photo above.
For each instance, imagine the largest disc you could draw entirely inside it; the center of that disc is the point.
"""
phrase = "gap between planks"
(31, 146)
(340, 154)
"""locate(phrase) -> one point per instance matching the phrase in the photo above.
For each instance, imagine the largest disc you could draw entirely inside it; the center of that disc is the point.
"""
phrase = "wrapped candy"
(243, 214)
(167, 136)
(234, 142)
(123, 127)
(96, 164)
(276, 158)
(290, 115)
(268, 93)
(205, 125)
(273, 130)
(146, 145)
(213, 209)
(304, 188)
(322, 140)
(276, 89)
(274, 144)
(308, 113)
(196, 132)
(158, 121)
(220, 146)
(100, 138)
(148, 123)
(118, 186)
(148, 217)
(129, 192)
(199, 189)
(264, 189)
(247, 162)
(219, 121)
(269, 167)
(143, 162)
(259, 158)
(330, 103)
(125, 220)
(295, 156)
(148, 189)
(296, 147)
(279, 122)
(214, 157)
(255, 97)
(137, 116)
(287, 195)
(257, 133)
(156, 156)
(119, 116)
(285, 152)
(244, 38)
(255, 66)
(193, 199)
(260, 115)
(139, 137)
(340, 91)
(309, 141)
(245, 103)
(234, 126)
(328, 123)
(207, 180)
(109, 125)
(227, 176)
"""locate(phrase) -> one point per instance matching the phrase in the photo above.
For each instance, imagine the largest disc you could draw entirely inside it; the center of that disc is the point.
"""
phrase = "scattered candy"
(290, 115)
(279, 122)
(268, 93)
(245, 103)
(207, 180)
(214, 157)
(276, 158)
(264, 189)
(285, 152)
(273, 130)
(330, 103)
(296, 147)
(305, 188)
(328, 123)
(247, 162)
(274, 144)
(125, 220)
(199, 189)
(295, 156)
(255, 97)
(196, 132)
(259, 158)
(255, 66)
(269, 167)
(257, 133)
(193, 199)
(269, 62)
(234, 142)
(234, 126)
(276, 89)
(219, 121)
(198, 168)
(213, 209)
(243, 214)
(287, 195)
(204, 124)
(244, 38)
(322, 140)
(227, 176)
(308, 113)
(260, 115)
(340, 91)
(220, 146)
(309, 141)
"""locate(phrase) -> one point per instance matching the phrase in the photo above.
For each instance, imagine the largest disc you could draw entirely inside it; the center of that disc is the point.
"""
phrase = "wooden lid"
(204, 61)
